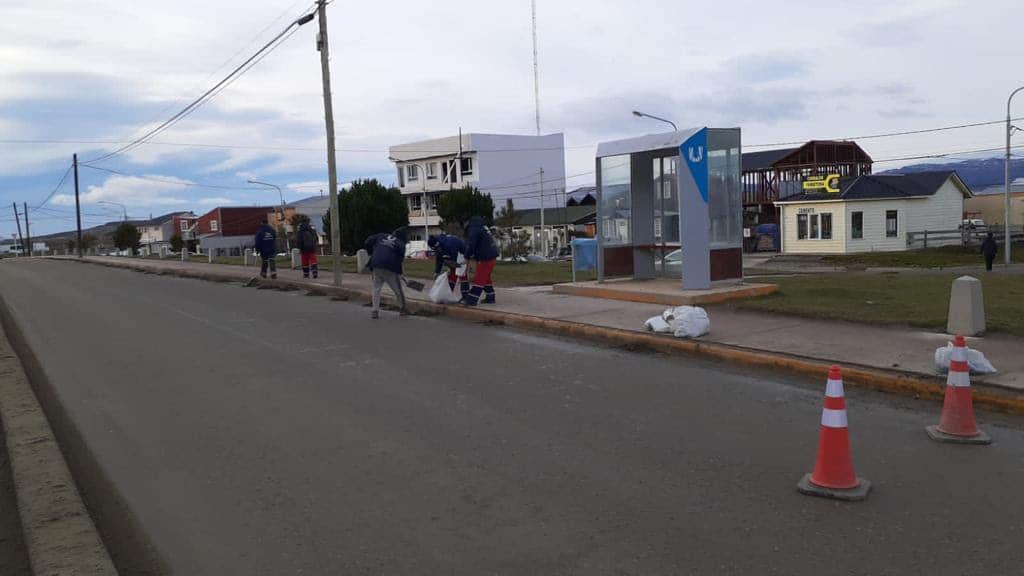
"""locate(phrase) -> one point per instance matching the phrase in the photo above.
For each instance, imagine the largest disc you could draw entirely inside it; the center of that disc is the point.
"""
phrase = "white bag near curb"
(658, 325)
(441, 292)
(976, 361)
(681, 321)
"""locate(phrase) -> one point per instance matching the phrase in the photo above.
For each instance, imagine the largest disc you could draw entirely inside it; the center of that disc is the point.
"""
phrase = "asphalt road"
(261, 432)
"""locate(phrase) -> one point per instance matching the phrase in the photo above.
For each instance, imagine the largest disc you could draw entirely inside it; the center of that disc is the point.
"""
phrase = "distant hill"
(977, 174)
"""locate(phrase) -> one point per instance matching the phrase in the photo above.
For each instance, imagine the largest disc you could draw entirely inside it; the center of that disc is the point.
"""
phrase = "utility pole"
(543, 233)
(536, 72)
(332, 168)
(1006, 210)
(78, 209)
(17, 220)
(28, 235)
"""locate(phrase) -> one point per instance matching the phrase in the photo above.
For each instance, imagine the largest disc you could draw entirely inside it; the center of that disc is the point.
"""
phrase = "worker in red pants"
(480, 247)
(307, 241)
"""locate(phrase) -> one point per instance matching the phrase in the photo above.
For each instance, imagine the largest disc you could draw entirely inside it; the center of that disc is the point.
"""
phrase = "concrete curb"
(59, 533)
(901, 382)
(610, 292)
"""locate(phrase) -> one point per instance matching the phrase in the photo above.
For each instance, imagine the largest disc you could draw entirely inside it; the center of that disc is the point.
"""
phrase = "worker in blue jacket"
(266, 246)
(387, 251)
(448, 249)
(481, 248)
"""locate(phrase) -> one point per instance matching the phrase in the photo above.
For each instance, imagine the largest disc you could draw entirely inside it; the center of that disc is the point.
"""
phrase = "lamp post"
(287, 244)
(123, 207)
(1006, 208)
(422, 169)
(639, 114)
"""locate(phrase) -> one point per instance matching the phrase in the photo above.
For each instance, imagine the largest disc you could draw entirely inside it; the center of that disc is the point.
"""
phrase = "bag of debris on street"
(441, 292)
(976, 361)
(681, 321)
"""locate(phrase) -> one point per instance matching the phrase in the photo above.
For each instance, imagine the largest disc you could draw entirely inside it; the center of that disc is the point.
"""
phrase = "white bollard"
(209, 255)
(362, 259)
(966, 307)
(245, 257)
(296, 258)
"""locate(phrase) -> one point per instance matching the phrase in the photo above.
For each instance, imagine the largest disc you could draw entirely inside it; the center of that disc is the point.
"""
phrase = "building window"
(401, 177)
(814, 227)
(432, 171)
(826, 226)
(857, 225)
(891, 224)
(801, 226)
(213, 225)
(412, 172)
(451, 173)
(467, 166)
(415, 202)
(184, 225)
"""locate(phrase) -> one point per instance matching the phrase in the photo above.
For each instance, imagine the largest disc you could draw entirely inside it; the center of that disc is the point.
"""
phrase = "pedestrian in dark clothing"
(449, 250)
(266, 247)
(480, 247)
(307, 241)
(387, 251)
(989, 249)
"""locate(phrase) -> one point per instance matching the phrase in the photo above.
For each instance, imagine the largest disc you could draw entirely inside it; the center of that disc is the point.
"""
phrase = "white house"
(502, 165)
(872, 213)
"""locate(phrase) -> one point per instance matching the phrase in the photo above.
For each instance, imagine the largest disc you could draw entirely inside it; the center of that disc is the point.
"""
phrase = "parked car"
(973, 223)
(564, 253)
(421, 255)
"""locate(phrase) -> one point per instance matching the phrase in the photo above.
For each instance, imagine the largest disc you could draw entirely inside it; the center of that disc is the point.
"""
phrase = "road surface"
(261, 432)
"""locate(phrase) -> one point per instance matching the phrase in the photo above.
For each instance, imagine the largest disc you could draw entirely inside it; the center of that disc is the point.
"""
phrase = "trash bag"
(976, 361)
(658, 325)
(441, 292)
(687, 321)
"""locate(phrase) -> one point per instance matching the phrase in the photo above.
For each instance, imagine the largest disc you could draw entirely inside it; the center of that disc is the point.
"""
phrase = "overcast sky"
(101, 70)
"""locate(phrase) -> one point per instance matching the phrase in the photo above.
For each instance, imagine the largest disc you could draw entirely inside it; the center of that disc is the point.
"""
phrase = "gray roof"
(645, 143)
(555, 216)
(764, 159)
(883, 186)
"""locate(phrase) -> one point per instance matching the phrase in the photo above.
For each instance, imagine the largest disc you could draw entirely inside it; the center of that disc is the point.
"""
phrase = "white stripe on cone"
(959, 353)
(833, 418)
(958, 379)
(834, 389)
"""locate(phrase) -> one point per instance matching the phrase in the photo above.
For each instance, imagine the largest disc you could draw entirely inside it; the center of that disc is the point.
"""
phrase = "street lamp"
(1006, 212)
(422, 168)
(287, 244)
(639, 114)
(123, 207)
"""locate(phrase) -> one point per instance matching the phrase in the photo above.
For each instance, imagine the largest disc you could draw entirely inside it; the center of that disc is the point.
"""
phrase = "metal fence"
(966, 236)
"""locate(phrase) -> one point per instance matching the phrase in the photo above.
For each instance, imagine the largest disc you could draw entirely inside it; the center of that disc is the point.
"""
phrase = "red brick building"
(232, 221)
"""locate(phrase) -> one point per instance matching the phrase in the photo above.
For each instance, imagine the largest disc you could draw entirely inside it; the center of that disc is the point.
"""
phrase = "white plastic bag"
(976, 361)
(460, 271)
(441, 292)
(658, 325)
(687, 321)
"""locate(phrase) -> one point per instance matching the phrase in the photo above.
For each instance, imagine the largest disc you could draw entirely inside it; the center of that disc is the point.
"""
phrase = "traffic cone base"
(939, 436)
(855, 494)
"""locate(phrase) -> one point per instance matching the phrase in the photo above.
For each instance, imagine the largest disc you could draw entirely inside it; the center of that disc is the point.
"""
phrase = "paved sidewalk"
(875, 346)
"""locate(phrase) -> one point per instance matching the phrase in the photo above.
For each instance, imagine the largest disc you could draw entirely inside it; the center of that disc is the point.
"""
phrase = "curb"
(901, 382)
(60, 536)
(609, 292)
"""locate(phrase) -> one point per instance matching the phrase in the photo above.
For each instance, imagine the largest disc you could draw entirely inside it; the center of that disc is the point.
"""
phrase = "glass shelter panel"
(615, 211)
(725, 202)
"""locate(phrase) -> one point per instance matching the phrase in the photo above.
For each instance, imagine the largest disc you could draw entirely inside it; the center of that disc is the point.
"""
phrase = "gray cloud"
(758, 67)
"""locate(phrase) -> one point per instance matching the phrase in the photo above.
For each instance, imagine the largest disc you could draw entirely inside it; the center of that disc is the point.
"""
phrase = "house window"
(412, 172)
(814, 227)
(857, 225)
(213, 225)
(432, 171)
(184, 225)
(415, 202)
(467, 166)
(891, 224)
(451, 173)
(826, 226)
(401, 177)
(801, 226)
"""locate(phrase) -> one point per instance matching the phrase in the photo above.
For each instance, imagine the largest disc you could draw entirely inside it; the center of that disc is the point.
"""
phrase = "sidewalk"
(882, 347)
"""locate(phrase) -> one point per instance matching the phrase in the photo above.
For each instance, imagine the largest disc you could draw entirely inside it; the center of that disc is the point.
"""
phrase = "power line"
(55, 189)
(185, 183)
(885, 135)
(208, 95)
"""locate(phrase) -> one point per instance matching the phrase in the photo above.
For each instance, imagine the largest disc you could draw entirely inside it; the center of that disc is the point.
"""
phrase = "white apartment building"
(502, 165)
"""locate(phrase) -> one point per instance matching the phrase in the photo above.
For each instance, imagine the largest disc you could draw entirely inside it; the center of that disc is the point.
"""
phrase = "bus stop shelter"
(670, 205)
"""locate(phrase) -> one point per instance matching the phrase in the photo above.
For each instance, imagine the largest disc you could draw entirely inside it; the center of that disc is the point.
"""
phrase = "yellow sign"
(828, 183)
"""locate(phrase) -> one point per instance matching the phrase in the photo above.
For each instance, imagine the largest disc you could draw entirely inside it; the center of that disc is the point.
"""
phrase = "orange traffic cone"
(833, 475)
(957, 425)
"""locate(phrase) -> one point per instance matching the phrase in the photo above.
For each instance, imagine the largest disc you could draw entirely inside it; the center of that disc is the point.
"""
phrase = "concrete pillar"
(209, 255)
(362, 260)
(246, 256)
(966, 307)
(296, 258)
